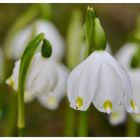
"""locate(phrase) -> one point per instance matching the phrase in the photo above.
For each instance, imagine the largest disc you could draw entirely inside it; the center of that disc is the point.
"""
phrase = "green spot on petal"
(79, 102)
(107, 106)
(132, 104)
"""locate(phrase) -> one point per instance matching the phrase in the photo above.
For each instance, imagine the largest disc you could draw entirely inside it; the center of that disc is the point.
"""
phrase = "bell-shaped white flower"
(46, 81)
(124, 56)
(21, 39)
(41, 78)
(53, 99)
(101, 80)
(118, 117)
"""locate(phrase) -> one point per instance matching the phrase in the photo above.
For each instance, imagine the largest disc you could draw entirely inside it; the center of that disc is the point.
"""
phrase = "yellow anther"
(132, 104)
(107, 106)
(79, 102)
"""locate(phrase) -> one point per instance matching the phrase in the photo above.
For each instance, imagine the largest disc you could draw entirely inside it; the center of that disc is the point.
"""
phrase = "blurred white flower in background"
(118, 117)
(124, 56)
(46, 80)
(101, 80)
(21, 39)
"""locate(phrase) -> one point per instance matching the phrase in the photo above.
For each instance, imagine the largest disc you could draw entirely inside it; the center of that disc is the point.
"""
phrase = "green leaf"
(75, 39)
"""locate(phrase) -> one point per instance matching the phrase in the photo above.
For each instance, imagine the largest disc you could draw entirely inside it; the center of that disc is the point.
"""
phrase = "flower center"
(107, 106)
(79, 102)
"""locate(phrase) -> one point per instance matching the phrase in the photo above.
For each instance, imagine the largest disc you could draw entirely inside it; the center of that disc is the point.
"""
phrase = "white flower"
(124, 56)
(118, 117)
(46, 80)
(41, 77)
(101, 80)
(21, 39)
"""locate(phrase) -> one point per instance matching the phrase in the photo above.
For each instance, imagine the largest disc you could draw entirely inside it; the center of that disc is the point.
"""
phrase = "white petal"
(52, 34)
(110, 91)
(118, 117)
(136, 117)
(124, 55)
(28, 97)
(19, 42)
(13, 79)
(21, 39)
(135, 76)
(81, 84)
(108, 48)
(52, 99)
(129, 101)
(42, 76)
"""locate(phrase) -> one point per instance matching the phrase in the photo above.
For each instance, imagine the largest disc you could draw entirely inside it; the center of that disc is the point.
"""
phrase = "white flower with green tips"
(101, 80)
(22, 37)
(124, 57)
(45, 78)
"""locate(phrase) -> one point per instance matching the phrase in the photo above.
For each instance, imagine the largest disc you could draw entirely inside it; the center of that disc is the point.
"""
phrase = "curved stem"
(132, 127)
(24, 65)
(83, 124)
(69, 128)
(21, 115)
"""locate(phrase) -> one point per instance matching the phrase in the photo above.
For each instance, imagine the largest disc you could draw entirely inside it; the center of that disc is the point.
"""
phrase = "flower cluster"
(46, 78)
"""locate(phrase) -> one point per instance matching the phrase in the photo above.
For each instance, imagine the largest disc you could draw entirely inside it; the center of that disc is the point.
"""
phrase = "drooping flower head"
(21, 39)
(46, 77)
(99, 79)
(124, 57)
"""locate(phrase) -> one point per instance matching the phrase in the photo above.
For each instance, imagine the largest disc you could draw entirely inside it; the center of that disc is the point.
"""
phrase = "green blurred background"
(118, 21)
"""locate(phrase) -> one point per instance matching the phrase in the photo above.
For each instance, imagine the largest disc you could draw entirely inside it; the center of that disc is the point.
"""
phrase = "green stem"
(83, 124)
(21, 132)
(25, 63)
(69, 128)
(21, 115)
(11, 119)
(132, 127)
